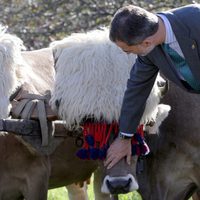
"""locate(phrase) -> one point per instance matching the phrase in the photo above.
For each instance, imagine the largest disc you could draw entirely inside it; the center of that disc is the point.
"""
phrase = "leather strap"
(43, 121)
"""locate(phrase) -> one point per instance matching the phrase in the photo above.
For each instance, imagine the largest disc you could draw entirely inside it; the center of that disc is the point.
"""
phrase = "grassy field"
(61, 194)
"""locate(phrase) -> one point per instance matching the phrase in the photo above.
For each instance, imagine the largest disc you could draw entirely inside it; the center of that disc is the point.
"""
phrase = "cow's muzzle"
(119, 185)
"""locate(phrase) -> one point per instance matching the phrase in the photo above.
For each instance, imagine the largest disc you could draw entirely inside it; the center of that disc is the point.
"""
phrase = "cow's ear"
(163, 86)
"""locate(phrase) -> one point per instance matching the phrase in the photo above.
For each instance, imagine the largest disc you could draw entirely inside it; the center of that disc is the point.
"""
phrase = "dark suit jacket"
(185, 22)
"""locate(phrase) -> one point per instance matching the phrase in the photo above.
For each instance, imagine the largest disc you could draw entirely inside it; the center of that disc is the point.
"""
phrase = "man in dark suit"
(168, 42)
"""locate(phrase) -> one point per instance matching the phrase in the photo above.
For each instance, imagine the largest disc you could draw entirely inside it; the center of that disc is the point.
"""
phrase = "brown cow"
(172, 170)
(24, 173)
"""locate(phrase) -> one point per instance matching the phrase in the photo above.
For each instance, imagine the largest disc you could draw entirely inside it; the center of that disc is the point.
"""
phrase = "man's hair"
(132, 24)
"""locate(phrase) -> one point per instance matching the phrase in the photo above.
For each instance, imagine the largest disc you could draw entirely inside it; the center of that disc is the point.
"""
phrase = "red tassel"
(96, 139)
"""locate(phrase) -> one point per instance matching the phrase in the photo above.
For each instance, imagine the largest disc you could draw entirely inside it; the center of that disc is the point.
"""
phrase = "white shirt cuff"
(127, 134)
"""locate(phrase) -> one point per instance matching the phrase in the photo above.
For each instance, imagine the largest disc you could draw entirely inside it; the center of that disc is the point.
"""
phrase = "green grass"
(61, 194)
(58, 194)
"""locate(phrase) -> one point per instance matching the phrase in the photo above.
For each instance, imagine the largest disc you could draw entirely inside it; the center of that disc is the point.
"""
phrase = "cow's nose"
(119, 186)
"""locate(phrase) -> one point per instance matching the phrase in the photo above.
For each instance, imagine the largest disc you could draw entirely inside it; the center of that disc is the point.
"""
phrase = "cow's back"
(40, 71)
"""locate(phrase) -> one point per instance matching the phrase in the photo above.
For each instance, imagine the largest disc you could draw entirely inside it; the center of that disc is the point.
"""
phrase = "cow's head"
(120, 178)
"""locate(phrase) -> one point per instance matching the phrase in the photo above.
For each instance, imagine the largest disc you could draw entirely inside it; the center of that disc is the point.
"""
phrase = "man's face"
(141, 49)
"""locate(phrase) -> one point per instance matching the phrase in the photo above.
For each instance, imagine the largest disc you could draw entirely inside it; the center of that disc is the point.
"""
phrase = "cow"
(99, 76)
(25, 173)
(171, 170)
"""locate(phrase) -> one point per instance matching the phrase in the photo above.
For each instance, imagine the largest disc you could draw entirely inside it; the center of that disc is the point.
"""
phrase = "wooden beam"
(20, 126)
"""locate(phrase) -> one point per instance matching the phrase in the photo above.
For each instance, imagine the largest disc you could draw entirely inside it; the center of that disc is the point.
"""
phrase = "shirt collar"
(170, 37)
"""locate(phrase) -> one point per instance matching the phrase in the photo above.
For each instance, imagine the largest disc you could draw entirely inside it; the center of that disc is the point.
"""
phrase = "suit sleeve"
(139, 86)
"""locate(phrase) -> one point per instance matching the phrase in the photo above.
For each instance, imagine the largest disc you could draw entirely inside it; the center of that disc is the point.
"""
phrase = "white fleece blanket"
(10, 63)
(91, 77)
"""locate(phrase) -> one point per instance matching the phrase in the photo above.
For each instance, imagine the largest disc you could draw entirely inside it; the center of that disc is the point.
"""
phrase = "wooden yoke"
(20, 126)
(30, 131)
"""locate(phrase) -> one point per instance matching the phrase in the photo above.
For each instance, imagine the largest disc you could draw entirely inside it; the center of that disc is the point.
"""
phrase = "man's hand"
(119, 149)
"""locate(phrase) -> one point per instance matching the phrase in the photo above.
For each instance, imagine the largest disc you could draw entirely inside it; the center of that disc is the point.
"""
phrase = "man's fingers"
(108, 160)
(109, 157)
(113, 162)
(128, 159)
(116, 152)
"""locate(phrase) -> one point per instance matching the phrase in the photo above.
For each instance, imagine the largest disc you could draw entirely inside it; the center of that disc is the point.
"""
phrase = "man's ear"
(147, 42)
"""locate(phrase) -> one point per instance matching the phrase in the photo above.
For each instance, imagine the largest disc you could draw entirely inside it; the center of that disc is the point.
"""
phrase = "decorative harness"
(97, 137)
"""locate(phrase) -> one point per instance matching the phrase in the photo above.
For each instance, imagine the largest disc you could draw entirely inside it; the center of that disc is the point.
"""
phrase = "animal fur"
(10, 62)
(91, 76)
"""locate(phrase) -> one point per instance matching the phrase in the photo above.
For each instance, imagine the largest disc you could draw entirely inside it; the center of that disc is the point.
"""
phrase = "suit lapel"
(187, 44)
(159, 57)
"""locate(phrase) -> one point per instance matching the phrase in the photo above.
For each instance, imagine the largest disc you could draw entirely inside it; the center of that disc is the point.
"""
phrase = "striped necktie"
(182, 67)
